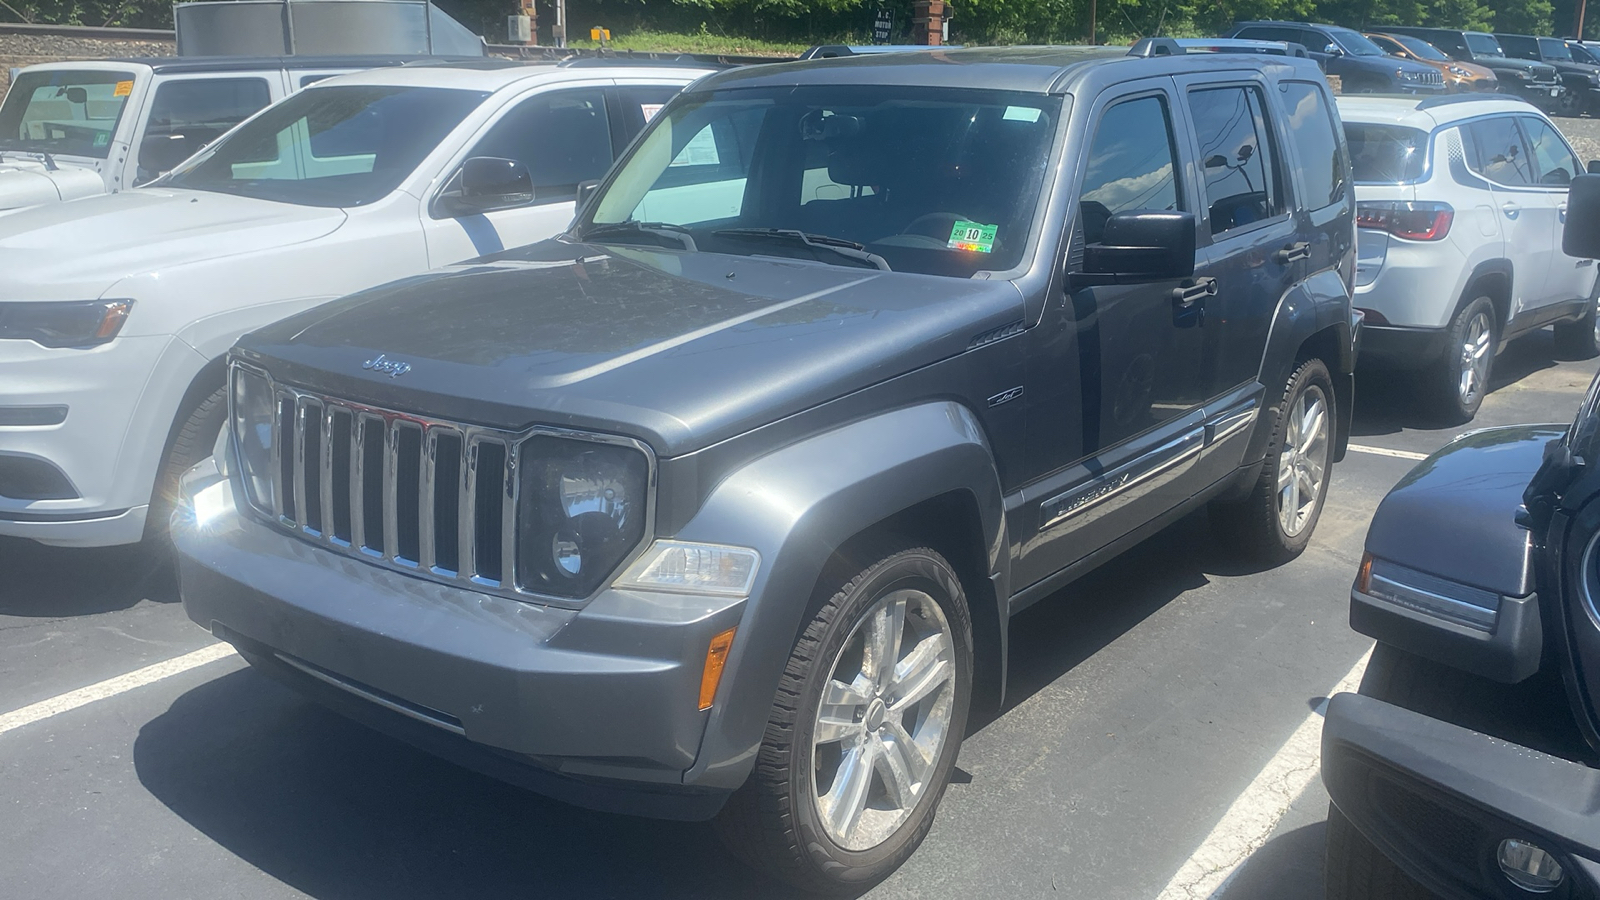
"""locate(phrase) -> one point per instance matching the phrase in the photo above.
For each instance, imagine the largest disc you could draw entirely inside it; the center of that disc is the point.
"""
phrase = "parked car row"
(687, 454)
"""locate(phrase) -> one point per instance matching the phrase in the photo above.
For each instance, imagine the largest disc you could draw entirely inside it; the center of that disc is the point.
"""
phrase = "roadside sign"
(883, 27)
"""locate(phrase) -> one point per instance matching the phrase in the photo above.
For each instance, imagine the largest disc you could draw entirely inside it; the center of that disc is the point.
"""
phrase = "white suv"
(116, 310)
(1461, 202)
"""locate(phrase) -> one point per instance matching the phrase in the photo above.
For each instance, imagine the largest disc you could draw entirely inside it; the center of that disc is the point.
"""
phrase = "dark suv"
(1360, 64)
(721, 504)
(1535, 82)
(1468, 766)
(1581, 79)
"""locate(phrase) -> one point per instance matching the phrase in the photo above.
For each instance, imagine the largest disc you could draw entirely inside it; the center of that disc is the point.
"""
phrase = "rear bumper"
(598, 707)
(1438, 799)
(1390, 347)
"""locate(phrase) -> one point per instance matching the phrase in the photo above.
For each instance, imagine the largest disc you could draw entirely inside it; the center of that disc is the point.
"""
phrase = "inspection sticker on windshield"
(972, 236)
(123, 89)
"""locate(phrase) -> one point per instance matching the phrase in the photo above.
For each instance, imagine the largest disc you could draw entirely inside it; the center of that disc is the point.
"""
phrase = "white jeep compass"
(1461, 203)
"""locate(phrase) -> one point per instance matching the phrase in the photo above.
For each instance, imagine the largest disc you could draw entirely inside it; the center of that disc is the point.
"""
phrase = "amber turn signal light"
(716, 660)
(1364, 574)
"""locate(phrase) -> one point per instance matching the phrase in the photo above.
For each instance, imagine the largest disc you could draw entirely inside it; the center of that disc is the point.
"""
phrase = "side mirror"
(1144, 245)
(161, 153)
(1580, 238)
(586, 192)
(1333, 49)
(488, 183)
(77, 95)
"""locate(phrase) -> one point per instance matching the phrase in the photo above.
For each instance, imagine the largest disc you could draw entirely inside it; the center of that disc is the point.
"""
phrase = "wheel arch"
(1494, 279)
(924, 472)
(1312, 321)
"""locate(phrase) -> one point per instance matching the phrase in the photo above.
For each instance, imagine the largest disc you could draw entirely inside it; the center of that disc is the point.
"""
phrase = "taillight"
(1412, 220)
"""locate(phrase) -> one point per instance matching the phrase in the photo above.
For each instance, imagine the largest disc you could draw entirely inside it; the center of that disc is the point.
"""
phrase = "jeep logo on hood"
(394, 368)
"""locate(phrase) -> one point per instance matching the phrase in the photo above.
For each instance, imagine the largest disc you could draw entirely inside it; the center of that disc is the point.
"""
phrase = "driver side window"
(1132, 165)
(563, 137)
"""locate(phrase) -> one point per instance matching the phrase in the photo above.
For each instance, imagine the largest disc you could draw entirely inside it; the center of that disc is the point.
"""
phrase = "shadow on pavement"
(54, 582)
(1390, 402)
(1288, 865)
(338, 811)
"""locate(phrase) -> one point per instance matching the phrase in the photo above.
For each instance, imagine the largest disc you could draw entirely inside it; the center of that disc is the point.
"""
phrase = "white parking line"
(1385, 451)
(1256, 812)
(111, 687)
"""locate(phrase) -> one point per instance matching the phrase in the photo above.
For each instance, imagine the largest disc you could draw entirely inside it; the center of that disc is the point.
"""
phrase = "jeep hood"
(28, 181)
(100, 240)
(678, 349)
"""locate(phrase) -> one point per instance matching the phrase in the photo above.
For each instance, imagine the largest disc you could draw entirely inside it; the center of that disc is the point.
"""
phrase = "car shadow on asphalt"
(1391, 402)
(1288, 865)
(339, 811)
(58, 582)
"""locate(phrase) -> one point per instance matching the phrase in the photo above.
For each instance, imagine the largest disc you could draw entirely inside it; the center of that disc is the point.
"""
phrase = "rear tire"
(844, 792)
(1299, 464)
(193, 438)
(1459, 380)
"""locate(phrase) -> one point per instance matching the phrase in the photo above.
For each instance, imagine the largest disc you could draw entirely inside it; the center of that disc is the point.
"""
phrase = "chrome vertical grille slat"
(425, 498)
(345, 475)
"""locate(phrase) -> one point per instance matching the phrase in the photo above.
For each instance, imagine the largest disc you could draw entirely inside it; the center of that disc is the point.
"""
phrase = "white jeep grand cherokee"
(1461, 205)
(116, 310)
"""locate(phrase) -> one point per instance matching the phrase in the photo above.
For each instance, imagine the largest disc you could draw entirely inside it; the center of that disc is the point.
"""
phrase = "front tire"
(863, 732)
(1274, 523)
(1581, 339)
(1460, 378)
(194, 434)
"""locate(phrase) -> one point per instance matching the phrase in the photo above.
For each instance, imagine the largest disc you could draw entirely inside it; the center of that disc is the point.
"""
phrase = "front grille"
(396, 487)
(1544, 75)
(1433, 77)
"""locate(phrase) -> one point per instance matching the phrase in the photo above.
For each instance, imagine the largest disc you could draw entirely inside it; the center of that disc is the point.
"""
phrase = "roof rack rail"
(1162, 46)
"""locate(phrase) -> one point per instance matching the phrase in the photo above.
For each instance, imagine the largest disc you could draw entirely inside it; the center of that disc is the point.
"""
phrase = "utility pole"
(1092, 4)
(558, 32)
(1577, 32)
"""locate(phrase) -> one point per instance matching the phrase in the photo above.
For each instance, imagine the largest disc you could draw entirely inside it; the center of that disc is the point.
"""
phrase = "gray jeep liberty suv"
(719, 505)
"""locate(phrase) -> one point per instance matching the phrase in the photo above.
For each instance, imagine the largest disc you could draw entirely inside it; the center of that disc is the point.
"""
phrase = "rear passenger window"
(1553, 161)
(1497, 151)
(1132, 164)
(1236, 161)
(1323, 169)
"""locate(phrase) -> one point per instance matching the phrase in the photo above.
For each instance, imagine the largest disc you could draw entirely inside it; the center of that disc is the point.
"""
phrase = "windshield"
(329, 146)
(1420, 48)
(66, 112)
(1386, 154)
(1355, 43)
(1483, 44)
(1550, 48)
(934, 181)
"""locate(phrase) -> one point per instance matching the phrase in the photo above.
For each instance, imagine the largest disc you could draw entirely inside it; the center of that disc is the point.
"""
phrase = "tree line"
(973, 21)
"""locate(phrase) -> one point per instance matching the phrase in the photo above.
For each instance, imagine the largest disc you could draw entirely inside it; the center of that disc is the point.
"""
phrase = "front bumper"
(1438, 799)
(598, 707)
(1544, 95)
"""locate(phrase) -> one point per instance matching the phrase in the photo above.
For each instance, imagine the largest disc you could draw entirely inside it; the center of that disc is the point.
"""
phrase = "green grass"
(671, 42)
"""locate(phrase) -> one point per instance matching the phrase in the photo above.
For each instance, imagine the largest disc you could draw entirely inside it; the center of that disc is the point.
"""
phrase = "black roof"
(167, 64)
(1026, 69)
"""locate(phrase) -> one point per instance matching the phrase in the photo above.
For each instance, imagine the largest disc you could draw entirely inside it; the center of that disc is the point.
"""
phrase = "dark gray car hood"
(678, 349)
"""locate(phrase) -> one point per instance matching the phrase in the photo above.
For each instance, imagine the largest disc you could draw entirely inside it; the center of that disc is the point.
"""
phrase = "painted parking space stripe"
(1255, 813)
(111, 687)
(1385, 451)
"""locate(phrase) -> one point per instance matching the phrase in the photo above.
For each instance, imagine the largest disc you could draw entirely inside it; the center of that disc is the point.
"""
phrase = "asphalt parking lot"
(1155, 736)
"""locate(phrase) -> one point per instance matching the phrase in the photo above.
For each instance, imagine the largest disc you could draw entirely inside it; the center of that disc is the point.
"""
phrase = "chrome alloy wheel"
(1303, 461)
(1476, 354)
(884, 719)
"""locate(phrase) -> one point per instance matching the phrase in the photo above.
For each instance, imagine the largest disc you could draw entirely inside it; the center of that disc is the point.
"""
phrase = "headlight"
(582, 512)
(64, 324)
(1520, 75)
(252, 409)
(1457, 70)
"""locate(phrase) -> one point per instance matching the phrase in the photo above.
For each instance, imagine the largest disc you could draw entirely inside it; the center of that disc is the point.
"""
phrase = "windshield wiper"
(43, 155)
(840, 246)
(633, 226)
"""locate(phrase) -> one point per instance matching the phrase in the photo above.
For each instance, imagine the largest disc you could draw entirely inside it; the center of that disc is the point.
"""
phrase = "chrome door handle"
(1188, 294)
(1296, 251)
(1510, 209)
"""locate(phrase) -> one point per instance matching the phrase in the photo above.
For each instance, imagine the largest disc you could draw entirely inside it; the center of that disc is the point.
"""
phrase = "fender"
(1320, 302)
(796, 506)
(1497, 266)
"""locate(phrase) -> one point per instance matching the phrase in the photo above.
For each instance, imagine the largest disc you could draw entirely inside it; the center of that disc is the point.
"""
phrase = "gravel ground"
(1584, 135)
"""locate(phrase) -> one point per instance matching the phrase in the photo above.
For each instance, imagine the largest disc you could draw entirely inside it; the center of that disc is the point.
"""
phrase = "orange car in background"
(1458, 76)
